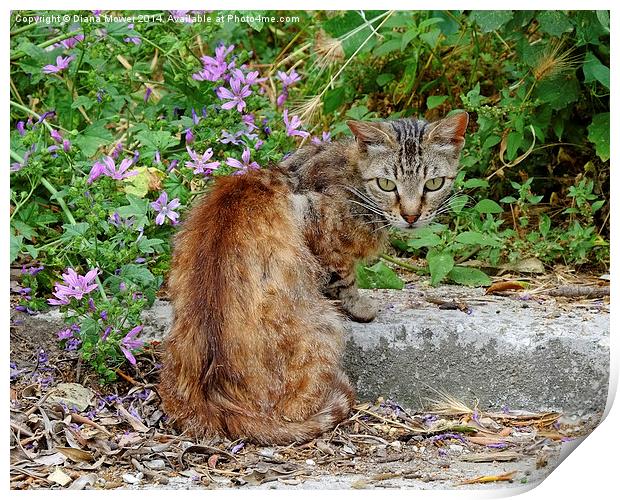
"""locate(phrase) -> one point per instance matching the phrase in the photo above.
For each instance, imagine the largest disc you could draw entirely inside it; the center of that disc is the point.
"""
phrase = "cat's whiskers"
(368, 207)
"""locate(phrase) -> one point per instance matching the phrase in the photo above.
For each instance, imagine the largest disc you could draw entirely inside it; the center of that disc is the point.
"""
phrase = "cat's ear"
(368, 133)
(449, 132)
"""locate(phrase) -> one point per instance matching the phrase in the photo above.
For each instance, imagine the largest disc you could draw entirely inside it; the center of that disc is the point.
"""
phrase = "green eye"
(434, 184)
(386, 184)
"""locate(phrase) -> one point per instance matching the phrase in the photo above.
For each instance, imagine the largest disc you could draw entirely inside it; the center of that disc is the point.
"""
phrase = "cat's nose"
(410, 218)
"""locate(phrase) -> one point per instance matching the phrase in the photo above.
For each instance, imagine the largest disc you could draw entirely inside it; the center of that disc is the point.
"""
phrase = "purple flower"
(15, 166)
(214, 67)
(129, 343)
(293, 125)
(21, 128)
(326, 138)
(288, 79)
(73, 286)
(32, 270)
(243, 167)
(133, 39)
(147, 93)
(104, 315)
(189, 137)
(259, 144)
(106, 332)
(200, 163)
(117, 150)
(165, 209)
(228, 138)
(248, 121)
(69, 43)
(237, 447)
(172, 166)
(73, 344)
(235, 96)
(108, 168)
(250, 78)
(65, 334)
(282, 98)
(62, 63)
(43, 358)
(45, 115)
(195, 117)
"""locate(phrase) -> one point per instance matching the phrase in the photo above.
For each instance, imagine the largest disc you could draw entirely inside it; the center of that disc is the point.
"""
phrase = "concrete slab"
(535, 354)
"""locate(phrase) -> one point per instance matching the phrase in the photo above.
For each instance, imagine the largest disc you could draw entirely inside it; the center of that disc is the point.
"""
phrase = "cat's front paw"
(362, 309)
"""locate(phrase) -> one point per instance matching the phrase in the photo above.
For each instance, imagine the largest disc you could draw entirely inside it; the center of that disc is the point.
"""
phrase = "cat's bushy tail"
(255, 348)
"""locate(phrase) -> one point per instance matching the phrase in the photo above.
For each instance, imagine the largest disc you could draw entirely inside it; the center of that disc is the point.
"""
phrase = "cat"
(264, 268)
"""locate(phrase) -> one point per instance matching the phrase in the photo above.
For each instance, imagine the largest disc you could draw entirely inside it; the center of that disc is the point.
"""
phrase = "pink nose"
(410, 218)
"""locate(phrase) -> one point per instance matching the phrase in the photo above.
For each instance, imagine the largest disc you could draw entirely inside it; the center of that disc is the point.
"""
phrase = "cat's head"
(408, 166)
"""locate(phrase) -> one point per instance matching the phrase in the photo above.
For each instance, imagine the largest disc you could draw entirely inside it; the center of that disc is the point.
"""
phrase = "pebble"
(155, 464)
(457, 448)
(131, 479)
(310, 462)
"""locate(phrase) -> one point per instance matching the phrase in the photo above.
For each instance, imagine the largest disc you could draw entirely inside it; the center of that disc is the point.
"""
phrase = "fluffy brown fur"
(256, 345)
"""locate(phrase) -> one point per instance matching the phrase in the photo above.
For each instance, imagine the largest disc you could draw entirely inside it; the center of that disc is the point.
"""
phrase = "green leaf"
(488, 207)
(490, 20)
(84, 101)
(475, 183)
(476, 238)
(458, 203)
(427, 240)
(387, 47)
(508, 199)
(596, 206)
(378, 276)
(333, 99)
(554, 22)
(431, 37)
(469, 276)
(595, 70)
(137, 208)
(491, 141)
(598, 133)
(384, 79)
(558, 91)
(93, 137)
(16, 246)
(513, 143)
(439, 265)
(544, 224)
(72, 231)
(435, 100)
(150, 245)
(158, 140)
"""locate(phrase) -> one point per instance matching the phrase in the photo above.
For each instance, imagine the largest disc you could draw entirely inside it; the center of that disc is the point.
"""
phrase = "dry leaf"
(491, 479)
(51, 459)
(502, 286)
(75, 454)
(491, 456)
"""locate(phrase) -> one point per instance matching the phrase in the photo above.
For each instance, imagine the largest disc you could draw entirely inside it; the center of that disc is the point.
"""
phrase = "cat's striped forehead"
(409, 133)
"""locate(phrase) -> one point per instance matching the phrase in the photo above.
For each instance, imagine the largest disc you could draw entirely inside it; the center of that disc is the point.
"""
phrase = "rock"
(59, 477)
(73, 395)
(131, 479)
(155, 464)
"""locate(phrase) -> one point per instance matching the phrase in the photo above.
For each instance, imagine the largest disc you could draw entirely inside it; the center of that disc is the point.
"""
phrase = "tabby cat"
(264, 266)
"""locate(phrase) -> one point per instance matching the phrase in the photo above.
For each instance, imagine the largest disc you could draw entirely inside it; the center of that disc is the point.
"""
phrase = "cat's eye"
(434, 184)
(386, 184)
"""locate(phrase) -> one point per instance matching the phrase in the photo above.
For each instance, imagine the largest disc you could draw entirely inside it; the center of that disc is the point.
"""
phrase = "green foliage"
(378, 276)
